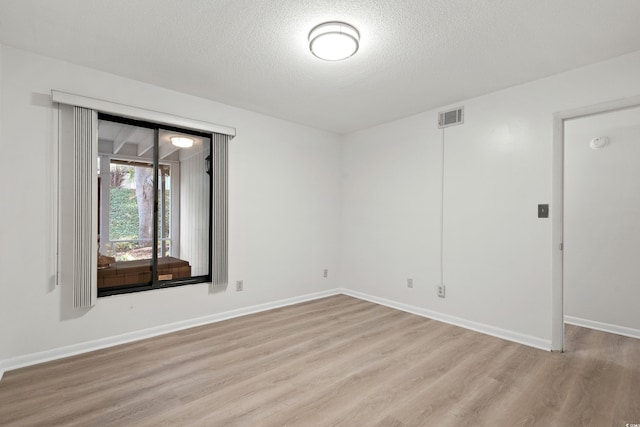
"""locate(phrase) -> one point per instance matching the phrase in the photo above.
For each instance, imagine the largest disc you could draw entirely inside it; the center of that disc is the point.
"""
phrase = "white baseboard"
(508, 335)
(604, 327)
(72, 350)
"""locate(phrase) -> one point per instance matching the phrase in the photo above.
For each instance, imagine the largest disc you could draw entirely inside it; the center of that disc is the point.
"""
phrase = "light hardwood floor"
(334, 361)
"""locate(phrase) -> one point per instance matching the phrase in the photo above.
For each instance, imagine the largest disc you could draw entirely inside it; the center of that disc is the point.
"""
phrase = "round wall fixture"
(599, 142)
(334, 41)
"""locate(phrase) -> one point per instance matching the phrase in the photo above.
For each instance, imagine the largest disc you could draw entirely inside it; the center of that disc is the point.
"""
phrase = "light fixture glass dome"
(334, 41)
(181, 141)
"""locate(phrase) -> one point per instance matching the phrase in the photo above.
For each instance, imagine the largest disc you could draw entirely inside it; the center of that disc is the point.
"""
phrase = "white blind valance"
(131, 112)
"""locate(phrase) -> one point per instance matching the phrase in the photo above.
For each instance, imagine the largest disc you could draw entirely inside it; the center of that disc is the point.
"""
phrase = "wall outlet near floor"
(239, 285)
(325, 273)
(409, 283)
(441, 291)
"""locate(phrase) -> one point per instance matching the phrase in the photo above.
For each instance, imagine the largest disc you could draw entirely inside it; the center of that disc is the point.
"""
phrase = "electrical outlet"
(325, 274)
(239, 286)
(409, 283)
(441, 291)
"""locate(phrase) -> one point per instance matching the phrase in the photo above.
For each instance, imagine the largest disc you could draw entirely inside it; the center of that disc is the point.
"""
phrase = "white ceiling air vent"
(451, 117)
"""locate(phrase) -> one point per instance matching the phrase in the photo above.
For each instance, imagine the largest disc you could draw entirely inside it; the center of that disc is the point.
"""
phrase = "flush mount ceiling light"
(334, 41)
(181, 141)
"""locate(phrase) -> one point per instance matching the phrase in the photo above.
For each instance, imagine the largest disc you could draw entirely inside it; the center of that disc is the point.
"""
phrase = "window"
(154, 206)
(137, 210)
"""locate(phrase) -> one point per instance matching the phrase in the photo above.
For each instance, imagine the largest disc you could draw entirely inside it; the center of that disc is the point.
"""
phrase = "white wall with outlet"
(601, 212)
(283, 220)
(497, 169)
(366, 207)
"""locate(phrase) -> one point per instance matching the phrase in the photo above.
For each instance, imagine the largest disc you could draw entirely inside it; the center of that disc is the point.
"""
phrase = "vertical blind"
(85, 205)
(194, 198)
(220, 248)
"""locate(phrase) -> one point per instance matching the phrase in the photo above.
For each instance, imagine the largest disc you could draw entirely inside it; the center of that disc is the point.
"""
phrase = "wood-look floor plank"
(307, 360)
(337, 361)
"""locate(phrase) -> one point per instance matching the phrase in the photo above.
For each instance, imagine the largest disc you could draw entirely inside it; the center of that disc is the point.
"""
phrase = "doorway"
(594, 233)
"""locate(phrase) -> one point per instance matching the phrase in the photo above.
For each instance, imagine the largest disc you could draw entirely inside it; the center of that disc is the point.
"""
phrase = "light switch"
(543, 211)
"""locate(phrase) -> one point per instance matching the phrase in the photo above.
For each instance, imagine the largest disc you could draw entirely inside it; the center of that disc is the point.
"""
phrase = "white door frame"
(557, 212)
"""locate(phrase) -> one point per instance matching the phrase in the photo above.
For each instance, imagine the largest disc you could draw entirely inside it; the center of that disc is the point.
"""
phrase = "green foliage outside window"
(123, 215)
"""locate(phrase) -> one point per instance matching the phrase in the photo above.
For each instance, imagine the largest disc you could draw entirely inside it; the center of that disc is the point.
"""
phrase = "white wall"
(284, 210)
(301, 202)
(498, 167)
(602, 212)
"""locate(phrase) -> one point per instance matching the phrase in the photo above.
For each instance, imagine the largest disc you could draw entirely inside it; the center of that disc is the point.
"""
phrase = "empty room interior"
(319, 213)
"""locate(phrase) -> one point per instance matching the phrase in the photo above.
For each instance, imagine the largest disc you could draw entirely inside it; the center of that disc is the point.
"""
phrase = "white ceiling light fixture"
(334, 41)
(181, 141)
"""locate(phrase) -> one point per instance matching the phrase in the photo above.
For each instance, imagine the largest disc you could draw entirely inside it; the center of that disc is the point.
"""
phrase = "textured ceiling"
(414, 54)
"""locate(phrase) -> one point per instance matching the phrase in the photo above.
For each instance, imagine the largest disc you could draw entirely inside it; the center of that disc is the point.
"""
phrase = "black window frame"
(155, 283)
